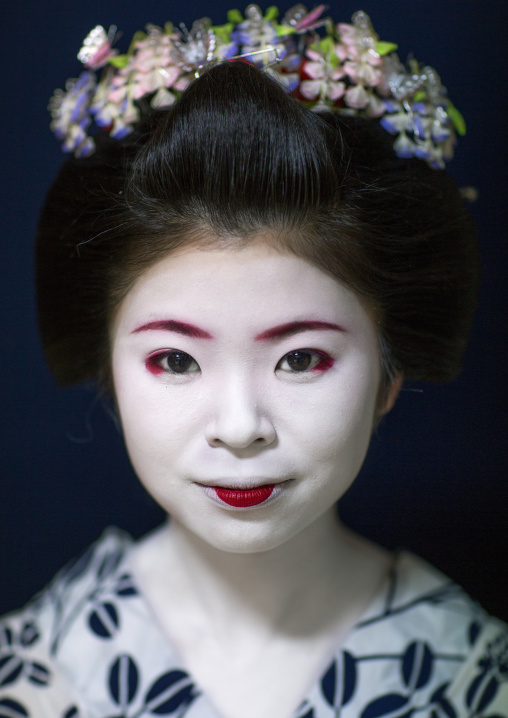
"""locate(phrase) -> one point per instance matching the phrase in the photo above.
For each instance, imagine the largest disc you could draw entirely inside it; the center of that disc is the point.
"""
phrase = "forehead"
(256, 281)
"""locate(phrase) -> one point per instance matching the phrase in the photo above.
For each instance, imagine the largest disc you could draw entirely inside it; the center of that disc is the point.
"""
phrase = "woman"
(252, 282)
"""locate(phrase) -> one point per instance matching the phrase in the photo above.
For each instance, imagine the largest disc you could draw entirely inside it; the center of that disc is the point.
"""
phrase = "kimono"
(89, 646)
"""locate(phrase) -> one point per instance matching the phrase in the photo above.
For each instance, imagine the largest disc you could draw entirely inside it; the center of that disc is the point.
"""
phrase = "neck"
(272, 589)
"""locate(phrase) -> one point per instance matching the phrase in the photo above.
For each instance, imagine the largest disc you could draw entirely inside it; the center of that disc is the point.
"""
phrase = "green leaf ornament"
(458, 121)
(333, 58)
(235, 17)
(223, 32)
(384, 48)
(119, 61)
(326, 45)
(272, 13)
(284, 30)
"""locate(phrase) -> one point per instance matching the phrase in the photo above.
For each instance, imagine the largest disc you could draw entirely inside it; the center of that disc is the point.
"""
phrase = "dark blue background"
(435, 480)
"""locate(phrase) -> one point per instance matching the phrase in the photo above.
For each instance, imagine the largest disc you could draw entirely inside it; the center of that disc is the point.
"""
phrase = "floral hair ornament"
(326, 66)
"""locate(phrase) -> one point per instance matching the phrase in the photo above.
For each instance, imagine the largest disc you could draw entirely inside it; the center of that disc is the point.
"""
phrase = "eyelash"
(154, 363)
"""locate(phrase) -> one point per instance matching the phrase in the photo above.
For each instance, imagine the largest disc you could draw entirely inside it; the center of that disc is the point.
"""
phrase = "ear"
(392, 394)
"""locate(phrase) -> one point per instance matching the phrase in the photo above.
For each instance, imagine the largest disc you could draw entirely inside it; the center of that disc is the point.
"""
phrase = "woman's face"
(246, 381)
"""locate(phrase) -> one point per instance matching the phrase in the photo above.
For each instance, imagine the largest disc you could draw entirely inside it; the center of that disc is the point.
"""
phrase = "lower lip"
(245, 499)
(242, 498)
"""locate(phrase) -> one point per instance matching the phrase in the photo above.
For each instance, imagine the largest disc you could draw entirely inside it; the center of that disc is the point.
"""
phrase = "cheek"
(156, 420)
(140, 416)
(337, 427)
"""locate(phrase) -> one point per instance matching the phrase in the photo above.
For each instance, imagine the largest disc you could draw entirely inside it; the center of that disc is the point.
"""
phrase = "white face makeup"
(246, 381)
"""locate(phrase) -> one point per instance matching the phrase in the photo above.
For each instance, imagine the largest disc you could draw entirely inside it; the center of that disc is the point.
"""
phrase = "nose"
(237, 420)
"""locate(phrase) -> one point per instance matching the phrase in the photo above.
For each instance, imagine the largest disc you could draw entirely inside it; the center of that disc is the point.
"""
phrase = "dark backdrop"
(435, 480)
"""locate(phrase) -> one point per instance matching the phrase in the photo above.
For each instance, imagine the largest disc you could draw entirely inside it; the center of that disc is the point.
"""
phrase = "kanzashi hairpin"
(326, 66)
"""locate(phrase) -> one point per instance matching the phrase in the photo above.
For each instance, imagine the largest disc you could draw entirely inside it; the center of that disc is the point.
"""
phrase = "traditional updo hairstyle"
(236, 158)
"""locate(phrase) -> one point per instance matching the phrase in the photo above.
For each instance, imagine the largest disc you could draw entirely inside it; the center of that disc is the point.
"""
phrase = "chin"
(245, 536)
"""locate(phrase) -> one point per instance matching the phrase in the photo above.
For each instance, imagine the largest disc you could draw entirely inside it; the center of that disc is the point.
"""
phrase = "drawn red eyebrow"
(171, 325)
(286, 330)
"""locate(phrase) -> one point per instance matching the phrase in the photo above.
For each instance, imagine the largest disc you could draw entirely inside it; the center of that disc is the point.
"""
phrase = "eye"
(172, 362)
(304, 360)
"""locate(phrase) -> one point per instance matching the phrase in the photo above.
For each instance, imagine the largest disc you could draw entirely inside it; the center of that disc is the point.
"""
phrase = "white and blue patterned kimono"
(88, 646)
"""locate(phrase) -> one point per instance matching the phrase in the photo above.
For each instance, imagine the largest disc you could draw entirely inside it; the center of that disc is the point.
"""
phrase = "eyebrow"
(171, 325)
(286, 330)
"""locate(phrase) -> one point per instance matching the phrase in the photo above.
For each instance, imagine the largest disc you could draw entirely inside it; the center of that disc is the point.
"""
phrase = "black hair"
(236, 157)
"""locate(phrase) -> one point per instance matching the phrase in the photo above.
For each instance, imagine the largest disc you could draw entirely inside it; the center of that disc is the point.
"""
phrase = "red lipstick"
(244, 497)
